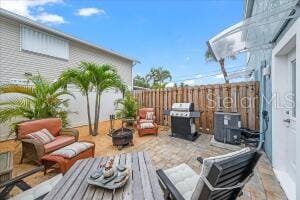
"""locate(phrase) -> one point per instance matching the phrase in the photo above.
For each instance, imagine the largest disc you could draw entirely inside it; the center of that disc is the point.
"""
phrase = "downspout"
(264, 120)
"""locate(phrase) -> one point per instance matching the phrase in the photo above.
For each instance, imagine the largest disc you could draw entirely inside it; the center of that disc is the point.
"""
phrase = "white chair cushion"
(147, 125)
(39, 190)
(72, 150)
(207, 164)
(184, 179)
(146, 120)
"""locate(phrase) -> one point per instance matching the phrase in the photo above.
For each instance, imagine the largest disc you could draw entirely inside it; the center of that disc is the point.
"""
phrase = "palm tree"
(81, 78)
(40, 99)
(141, 81)
(158, 77)
(102, 77)
(210, 58)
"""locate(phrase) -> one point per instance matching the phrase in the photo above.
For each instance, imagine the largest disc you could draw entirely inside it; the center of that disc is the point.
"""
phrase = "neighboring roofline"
(248, 8)
(35, 24)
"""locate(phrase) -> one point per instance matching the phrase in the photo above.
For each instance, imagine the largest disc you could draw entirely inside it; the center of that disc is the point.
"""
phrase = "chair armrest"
(33, 144)
(22, 176)
(169, 185)
(70, 132)
(200, 159)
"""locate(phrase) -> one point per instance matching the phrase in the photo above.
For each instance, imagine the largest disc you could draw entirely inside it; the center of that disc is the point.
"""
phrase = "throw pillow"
(43, 136)
(149, 115)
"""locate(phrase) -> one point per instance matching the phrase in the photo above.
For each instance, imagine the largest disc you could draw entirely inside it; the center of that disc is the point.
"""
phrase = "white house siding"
(14, 63)
(259, 58)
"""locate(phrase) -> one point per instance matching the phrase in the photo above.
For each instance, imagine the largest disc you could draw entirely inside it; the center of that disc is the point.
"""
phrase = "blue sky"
(171, 34)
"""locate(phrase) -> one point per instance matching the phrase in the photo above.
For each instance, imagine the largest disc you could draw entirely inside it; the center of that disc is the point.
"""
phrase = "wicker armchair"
(33, 149)
(142, 118)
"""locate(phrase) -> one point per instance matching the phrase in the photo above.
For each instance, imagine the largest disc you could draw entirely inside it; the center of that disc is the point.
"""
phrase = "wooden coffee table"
(143, 184)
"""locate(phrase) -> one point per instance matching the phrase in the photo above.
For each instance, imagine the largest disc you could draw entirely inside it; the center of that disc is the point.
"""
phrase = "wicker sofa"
(33, 149)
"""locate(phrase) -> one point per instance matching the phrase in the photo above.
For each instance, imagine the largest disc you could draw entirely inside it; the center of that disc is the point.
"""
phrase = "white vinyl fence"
(78, 105)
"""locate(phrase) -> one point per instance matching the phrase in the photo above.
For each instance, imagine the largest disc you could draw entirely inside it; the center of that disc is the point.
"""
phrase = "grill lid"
(184, 107)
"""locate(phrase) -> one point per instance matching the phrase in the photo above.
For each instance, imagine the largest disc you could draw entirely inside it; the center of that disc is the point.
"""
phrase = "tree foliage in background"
(141, 81)
(100, 78)
(127, 106)
(40, 99)
(157, 78)
(209, 57)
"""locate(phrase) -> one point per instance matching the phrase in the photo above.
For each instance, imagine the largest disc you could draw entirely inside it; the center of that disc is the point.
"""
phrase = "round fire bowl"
(121, 137)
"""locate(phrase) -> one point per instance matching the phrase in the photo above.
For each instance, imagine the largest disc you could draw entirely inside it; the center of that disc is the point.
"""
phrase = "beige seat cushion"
(72, 150)
(147, 125)
(184, 179)
(39, 190)
(188, 182)
(59, 142)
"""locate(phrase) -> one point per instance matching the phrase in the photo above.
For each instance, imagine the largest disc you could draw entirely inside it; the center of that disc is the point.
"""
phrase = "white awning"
(255, 32)
(244, 73)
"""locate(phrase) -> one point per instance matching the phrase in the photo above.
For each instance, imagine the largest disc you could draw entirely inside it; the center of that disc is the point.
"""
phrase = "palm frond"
(19, 89)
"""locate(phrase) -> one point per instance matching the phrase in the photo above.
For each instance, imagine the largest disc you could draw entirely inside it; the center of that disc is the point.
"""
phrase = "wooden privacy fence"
(236, 97)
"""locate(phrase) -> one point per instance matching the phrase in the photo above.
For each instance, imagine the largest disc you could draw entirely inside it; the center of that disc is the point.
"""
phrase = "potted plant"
(127, 108)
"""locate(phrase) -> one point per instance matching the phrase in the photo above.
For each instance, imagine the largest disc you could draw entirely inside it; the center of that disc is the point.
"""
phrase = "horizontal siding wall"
(14, 63)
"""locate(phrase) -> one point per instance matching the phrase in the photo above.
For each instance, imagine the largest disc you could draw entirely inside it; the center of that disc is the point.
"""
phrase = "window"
(43, 43)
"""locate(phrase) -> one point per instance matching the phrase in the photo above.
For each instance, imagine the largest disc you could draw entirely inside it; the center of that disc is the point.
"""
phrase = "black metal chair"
(6, 187)
(224, 179)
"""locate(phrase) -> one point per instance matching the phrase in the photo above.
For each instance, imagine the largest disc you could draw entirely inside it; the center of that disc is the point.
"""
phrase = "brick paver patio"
(167, 152)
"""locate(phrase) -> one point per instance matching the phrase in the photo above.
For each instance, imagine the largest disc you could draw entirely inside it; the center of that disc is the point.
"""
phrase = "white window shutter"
(41, 42)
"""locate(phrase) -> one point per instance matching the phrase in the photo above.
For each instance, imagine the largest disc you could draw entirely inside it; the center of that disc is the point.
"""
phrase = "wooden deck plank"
(145, 177)
(108, 194)
(65, 179)
(156, 189)
(127, 193)
(81, 191)
(68, 184)
(90, 192)
(142, 183)
(79, 180)
(119, 192)
(100, 192)
(137, 182)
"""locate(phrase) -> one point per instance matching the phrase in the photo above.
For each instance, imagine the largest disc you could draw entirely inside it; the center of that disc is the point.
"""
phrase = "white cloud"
(199, 76)
(51, 19)
(219, 76)
(90, 11)
(171, 84)
(26, 8)
(189, 82)
(188, 58)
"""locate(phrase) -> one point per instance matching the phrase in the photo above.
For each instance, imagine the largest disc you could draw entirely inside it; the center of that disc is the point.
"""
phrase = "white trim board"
(286, 183)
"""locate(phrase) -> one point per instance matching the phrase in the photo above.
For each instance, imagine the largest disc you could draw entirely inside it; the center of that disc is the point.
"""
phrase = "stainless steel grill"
(183, 120)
